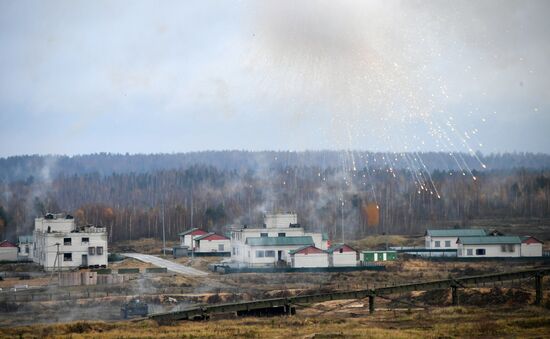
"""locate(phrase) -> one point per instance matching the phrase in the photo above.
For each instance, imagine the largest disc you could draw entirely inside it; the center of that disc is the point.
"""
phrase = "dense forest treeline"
(351, 192)
(50, 166)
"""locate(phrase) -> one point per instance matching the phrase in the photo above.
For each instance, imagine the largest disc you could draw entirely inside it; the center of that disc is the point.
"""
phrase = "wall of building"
(280, 220)
(344, 259)
(213, 245)
(431, 241)
(491, 250)
(8, 253)
(310, 260)
(531, 250)
(46, 249)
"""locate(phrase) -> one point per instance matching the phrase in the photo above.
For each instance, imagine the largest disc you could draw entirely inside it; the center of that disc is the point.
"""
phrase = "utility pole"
(343, 235)
(58, 264)
(163, 232)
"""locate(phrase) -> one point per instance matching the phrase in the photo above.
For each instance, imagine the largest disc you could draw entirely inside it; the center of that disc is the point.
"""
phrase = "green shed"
(371, 256)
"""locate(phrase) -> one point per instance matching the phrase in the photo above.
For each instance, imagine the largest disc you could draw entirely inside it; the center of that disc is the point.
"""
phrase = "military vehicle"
(133, 308)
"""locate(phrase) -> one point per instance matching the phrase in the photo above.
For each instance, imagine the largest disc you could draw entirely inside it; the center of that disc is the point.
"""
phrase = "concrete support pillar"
(371, 304)
(538, 289)
(454, 294)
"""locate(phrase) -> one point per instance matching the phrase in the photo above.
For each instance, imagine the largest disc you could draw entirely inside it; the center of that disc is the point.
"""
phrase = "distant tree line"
(328, 197)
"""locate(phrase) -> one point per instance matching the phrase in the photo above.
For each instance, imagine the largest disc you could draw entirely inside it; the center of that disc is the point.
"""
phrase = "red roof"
(214, 237)
(531, 240)
(6, 243)
(309, 250)
(199, 232)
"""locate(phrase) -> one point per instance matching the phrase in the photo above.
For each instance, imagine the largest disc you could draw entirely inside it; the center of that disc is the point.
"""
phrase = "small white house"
(60, 244)
(308, 256)
(531, 247)
(187, 237)
(342, 255)
(212, 242)
(489, 246)
(25, 246)
(446, 238)
(8, 251)
(261, 251)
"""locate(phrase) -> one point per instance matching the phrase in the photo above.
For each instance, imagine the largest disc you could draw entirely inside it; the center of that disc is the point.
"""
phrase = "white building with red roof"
(531, 246)
(308, 256)
(212, 242)
(8, 251)
(187, 237)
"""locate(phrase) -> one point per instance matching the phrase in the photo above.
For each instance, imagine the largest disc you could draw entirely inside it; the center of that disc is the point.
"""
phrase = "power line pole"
(58, 264)
(163, 232)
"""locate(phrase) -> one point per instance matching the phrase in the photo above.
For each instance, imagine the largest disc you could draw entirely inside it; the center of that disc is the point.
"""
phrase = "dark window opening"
(282, 234)
(480, 251)
(91, 250)
(85, 240)
(263, 235)
(67, 257)
(67, 241)
(99, 250)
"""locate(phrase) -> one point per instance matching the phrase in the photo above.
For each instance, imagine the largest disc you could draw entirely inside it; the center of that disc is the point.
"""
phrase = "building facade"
(212, 242)
(489, 246)
(187, 237)
(342, 255)
(446, 238)
(25, 246)
(60, 244)
(271, 243)
(8, 251)
(308, 256)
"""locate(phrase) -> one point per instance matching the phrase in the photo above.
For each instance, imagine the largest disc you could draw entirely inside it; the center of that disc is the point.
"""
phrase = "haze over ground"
(136, 76)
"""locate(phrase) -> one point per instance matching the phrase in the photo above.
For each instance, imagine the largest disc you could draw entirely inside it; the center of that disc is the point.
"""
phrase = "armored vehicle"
(134, 307)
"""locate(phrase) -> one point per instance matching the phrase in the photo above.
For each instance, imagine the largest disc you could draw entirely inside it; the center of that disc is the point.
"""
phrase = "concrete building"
(84, 246)
(531, 247)
(446, 238)
(489, 246)
(342, 255)
(8, 251)
(25, 247)
(308, 256)
(187, 237)
(212, 242)
(272, 242)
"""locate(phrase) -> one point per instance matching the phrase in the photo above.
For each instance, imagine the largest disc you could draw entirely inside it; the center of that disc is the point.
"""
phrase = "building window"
(67, 257)
(281, 235)
(480, 251)
(260, 254)
(447, 243)
(469, 251)
(341, 250)
(99, 250)
(220, 248)
(234, 251)
(511, 248)
(91, 250)
(263, 235)
(270, 254)
(67, 241)
(503, 248)
(27, 249)
(85, 240)
(437, 243)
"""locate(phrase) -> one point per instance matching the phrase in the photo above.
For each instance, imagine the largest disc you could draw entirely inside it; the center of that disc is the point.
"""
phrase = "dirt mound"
(475, 297)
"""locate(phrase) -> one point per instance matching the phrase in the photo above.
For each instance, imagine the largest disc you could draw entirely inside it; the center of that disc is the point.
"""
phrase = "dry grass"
(379, 242)
(442, 322)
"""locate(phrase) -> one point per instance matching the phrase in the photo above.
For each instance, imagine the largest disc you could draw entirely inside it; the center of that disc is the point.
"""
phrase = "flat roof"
(457, 232)
(279, 241)
(490, 240)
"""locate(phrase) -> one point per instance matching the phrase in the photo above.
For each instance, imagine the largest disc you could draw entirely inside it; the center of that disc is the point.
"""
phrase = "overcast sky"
(147, 76)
